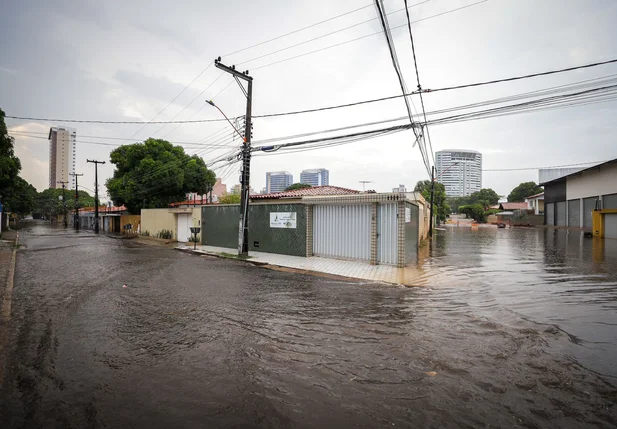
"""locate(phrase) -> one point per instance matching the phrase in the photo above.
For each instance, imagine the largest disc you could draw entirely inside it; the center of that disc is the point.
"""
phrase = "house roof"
(612, 161)
(196, 202)
(513, 206)
(315, 191)
(535, 196)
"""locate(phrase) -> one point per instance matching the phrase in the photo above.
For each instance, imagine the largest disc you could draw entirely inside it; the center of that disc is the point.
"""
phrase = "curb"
(5, 311)
(218, 255)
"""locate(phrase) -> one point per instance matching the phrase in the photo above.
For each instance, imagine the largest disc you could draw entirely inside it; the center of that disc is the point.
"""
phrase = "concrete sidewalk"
(337, 267)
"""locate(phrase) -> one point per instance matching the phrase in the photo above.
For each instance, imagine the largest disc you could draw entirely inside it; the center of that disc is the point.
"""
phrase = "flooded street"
(508, 328)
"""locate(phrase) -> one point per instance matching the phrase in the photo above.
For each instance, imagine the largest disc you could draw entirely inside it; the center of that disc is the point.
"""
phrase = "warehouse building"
(571, 199)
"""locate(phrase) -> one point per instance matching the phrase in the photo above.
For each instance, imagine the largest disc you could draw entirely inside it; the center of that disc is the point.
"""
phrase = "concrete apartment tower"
(315, 177)
(62, 147)
(277, 181)
(459, 170)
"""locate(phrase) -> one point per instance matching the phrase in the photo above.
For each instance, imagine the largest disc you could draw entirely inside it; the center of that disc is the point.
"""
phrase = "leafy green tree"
(154, 174)
(524, 190)
(49, 202)
(475, 211)
(9, 163)
(233, 198)
(20, 198)
(485, 197)
(298, 186)
(442, 208)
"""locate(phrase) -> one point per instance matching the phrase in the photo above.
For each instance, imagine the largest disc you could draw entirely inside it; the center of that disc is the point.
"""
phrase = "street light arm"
(211, 103)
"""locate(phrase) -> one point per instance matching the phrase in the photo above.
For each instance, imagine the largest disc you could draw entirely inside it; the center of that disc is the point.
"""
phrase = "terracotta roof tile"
(306, 192)
(513, 206)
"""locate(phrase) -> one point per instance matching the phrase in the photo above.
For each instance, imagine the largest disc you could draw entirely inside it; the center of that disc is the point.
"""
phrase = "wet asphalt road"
(200, 342)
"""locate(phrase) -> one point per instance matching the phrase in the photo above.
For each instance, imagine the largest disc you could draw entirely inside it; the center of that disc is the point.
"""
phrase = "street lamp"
(211, 103)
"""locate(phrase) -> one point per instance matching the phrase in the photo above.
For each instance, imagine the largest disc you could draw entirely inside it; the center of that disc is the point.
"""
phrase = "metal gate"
(387, 234)
(560, 208)
(574, 213)
(588, 205)
(342, 231)
(550, 214)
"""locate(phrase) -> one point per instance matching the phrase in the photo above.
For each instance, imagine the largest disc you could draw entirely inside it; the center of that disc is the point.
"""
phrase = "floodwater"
(508, 328)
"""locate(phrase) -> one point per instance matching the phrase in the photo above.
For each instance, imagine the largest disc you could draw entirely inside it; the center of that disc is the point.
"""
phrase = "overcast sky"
(126, 60)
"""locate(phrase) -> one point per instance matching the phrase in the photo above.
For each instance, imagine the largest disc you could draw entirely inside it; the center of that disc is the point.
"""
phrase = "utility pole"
(96, 193)
(430, 226)
(243, 227)
(66, 221)
(76, 218)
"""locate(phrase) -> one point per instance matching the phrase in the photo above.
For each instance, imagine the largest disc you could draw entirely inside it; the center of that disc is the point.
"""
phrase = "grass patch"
(232, 256)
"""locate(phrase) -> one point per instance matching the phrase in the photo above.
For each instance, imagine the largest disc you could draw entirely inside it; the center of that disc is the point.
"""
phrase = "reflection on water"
(547, 276)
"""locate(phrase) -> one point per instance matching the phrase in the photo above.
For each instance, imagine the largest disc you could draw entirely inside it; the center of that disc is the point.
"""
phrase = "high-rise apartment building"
(277, 181)
(460, 171)
(315, 177)
(62, 148)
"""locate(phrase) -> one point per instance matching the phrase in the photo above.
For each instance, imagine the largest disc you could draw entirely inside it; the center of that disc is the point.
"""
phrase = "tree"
(442, 209)
(298, 186)
(233, 198)
(9, 163)
(20, 198)
(485, 197)
(154, 174)
(475, 211)
(524, 190)
(48, 203)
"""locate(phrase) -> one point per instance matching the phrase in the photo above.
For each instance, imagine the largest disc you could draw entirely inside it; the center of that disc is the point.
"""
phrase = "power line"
(368, 35)
(392, 97)
(415, 62)
(551, 166)
(327, 34)
(297, 31)
(395, 63)
(339, 106)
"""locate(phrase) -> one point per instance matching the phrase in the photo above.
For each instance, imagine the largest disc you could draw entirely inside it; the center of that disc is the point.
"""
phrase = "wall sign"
(283, 220)
(407, 214)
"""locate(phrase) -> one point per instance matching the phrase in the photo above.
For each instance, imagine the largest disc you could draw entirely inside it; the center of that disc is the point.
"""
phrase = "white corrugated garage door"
(342, 231)
(610, 225)
(550, 214)
(387, 234)
(560, 208)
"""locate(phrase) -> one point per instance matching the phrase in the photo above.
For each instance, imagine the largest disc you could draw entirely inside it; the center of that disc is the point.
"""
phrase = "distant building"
(460, 171)
(535, 203)
(237, 189)
(315, 177)
(218, 190)
(278, 181)
(62, 156)
(400, 189)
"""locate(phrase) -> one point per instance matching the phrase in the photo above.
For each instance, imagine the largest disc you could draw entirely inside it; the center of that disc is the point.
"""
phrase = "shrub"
(165, 234)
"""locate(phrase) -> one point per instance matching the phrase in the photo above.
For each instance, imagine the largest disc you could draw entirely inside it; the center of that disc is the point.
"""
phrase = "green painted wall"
(221, 228)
